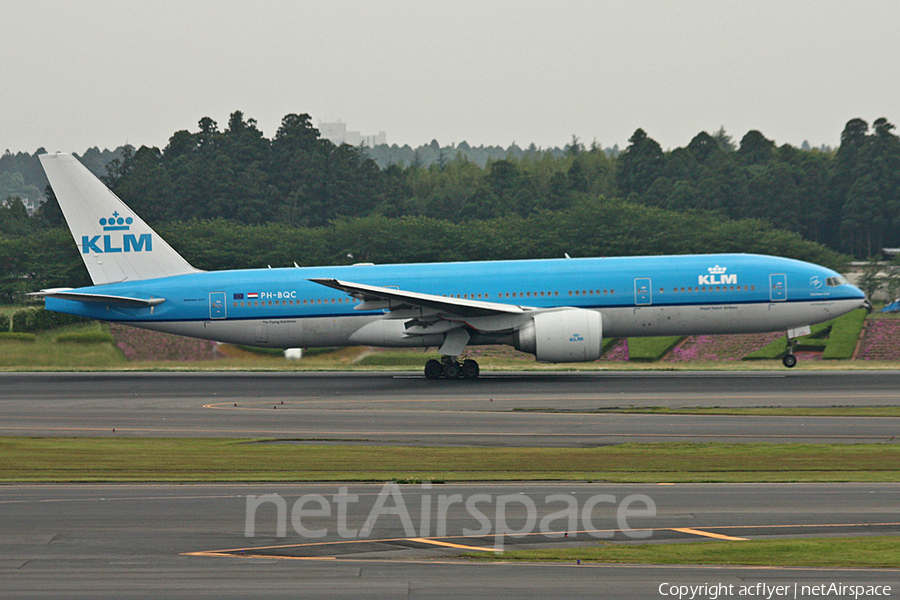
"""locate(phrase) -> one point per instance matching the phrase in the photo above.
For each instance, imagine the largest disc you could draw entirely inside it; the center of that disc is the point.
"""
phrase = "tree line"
(230, 197)
(848, 199)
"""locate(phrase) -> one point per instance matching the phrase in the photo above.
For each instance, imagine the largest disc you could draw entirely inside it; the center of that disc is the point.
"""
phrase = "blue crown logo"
(116, 223)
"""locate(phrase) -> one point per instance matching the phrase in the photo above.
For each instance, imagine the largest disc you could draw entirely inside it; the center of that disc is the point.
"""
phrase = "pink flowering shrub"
(618, 352)
(881, 340)
(141, 344)
(720, 347)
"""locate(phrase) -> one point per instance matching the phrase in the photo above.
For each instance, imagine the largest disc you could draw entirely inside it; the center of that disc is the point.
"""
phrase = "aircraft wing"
(67, 294)
(374, 297)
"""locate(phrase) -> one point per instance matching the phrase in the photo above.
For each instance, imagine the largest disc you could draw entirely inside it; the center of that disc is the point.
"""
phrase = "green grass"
(197, 460)
(16, 336)
(409, 360)
(86, 337)
(857, 552)
(650, 349)
(845, 335)
(823, 411)
(44, 352)
(836, 339)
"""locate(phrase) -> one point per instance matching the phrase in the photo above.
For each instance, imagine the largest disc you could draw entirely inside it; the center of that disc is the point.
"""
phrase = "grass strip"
(856, 552)
(842, 332)
(764, 411)
(844, 335)
(650, 349)
(204, 460)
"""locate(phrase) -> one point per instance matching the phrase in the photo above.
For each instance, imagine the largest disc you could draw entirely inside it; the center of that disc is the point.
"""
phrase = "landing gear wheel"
(451, 369)
(789, 360)
(433, 369)
(470, 369)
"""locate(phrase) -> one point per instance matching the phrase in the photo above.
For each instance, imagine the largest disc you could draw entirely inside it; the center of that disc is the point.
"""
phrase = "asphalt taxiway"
(175, 541)
(518, 409)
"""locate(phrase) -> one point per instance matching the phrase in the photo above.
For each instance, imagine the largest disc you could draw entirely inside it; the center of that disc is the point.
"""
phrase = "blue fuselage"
(654, 295)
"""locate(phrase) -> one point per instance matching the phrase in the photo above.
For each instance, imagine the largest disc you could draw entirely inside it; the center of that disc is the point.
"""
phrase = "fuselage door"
(778, 287)
(643, 295)
(217, 305)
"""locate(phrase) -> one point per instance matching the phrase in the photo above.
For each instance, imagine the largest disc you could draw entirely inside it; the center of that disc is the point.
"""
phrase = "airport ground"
(158, 540)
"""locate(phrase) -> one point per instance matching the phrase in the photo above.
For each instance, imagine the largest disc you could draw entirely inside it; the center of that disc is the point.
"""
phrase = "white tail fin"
(115, 244)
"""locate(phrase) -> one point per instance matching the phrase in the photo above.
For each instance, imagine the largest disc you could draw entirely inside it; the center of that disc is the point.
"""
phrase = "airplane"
(559, 310)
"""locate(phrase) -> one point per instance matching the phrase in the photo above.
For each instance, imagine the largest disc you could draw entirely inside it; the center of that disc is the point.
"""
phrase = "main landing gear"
(451, 368)
(789, 360)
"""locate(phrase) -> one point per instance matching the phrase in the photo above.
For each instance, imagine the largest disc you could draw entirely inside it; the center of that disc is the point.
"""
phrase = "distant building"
(32, 204)
(337, 134)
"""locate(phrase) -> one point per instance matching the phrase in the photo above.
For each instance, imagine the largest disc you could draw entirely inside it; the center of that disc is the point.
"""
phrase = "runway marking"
(718, 536)
(250, 552)
(263, 405)
(214, 554)
(451, 545)
(118, 499)
(369, 435)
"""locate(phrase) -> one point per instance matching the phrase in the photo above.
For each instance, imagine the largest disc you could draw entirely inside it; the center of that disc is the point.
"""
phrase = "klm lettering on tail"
(717, 276)
(129, 242)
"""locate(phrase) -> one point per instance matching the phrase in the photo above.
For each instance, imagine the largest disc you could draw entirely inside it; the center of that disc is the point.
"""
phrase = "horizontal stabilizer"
(63, 294)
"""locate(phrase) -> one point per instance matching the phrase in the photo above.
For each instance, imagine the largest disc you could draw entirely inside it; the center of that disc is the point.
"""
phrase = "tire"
(451, 370)
(433, 369)
(789, 360)
(470, 369)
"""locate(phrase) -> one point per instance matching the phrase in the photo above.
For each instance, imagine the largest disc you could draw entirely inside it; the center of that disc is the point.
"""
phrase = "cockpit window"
(835, 281)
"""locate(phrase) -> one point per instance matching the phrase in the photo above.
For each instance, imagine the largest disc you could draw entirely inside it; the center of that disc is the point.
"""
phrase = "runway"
(173, 541)
(516, 409)
(161, 540)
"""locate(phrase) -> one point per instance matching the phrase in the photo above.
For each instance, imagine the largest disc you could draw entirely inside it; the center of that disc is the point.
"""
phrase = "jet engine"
(567, 335)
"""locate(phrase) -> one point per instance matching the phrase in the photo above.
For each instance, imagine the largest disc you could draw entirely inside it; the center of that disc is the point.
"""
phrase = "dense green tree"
(755, 149)
(241, 188)
(640, 164)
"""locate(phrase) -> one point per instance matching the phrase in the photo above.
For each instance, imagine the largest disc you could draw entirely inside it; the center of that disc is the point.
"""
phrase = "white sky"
(102, 73)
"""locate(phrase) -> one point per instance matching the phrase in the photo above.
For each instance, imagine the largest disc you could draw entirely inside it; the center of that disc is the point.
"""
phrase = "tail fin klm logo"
(109, 243)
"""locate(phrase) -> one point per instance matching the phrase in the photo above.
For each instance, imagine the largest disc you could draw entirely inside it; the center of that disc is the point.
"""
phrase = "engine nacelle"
(568, 335)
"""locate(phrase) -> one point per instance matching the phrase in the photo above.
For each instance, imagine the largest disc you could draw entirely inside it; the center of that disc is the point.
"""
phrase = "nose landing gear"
(450, 368)
(789, 360)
